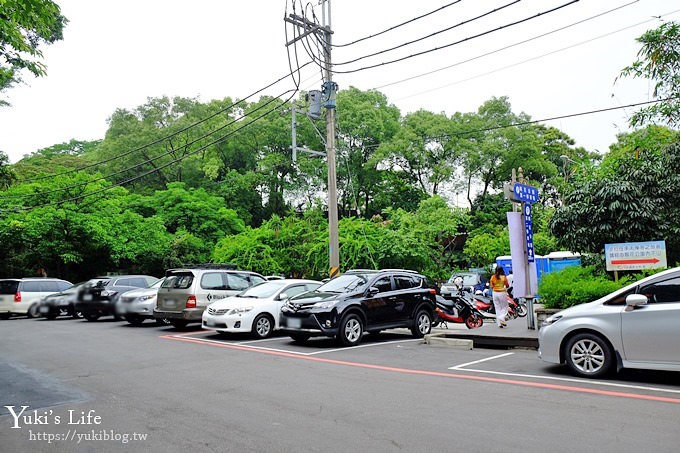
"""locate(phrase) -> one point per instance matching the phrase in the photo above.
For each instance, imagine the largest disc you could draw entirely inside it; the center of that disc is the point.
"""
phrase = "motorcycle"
(459, 309)
(486, 307)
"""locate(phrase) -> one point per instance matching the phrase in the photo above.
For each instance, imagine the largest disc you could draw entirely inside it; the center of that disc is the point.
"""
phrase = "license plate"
(170, 302)
(87, 297)
(210, 323)
(44, 309)
(294, 323)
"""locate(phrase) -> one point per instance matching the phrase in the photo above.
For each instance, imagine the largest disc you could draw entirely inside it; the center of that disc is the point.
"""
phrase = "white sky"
(116, 54)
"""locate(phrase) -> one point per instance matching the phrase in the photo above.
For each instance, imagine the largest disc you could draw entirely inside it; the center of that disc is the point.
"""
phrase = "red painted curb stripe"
(429, 373)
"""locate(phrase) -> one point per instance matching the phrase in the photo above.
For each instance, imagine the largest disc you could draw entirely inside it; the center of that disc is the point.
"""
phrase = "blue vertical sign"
(528, 231)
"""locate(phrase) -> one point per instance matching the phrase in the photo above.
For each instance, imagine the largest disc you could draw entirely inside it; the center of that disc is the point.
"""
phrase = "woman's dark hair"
(499, 271)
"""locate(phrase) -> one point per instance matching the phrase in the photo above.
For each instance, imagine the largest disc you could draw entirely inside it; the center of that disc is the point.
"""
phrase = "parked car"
(62, 303)
(21, 296)
(472, 282)
(257, 309)
(637, 326)
(361, 301)
(137, 305)
(185, 293)
(98, 296)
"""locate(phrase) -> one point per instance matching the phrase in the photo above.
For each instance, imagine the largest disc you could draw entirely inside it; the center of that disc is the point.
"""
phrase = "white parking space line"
(365, 345)
(250, 344)
(480, 361)
(556, 378)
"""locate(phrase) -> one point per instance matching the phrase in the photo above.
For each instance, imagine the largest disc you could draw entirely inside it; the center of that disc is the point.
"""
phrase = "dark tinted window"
(9, 286)
(406, 281)
(383, 284)
(663, 291)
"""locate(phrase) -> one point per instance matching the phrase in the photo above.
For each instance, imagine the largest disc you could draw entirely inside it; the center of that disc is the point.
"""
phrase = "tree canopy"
(26, 26)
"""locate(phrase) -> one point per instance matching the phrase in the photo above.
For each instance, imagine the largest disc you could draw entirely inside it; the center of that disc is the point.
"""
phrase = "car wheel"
(589, 355)
(77, 314)
(178, 323)
(422, 324)
(134, 320)
(162, 322)
(299, 337)
(263, 326)
(91, 316)
(50, 316)
(351, 330)
(33, 311)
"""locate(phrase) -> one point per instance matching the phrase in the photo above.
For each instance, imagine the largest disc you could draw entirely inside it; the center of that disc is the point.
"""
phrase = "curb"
(443, 339)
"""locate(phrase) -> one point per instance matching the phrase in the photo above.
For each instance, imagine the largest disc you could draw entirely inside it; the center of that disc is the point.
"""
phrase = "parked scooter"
(459, 309)
(486, 307)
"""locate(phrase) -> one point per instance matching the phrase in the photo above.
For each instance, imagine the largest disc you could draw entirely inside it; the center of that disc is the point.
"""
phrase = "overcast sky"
(116, 54)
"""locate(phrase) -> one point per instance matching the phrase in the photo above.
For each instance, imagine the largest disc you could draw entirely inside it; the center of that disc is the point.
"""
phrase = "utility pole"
(329, 91)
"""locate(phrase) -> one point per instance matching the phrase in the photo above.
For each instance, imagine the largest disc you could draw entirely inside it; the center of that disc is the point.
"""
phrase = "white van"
(22, 296)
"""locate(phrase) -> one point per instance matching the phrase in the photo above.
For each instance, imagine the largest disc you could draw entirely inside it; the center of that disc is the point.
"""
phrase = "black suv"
(98, 296)
(361, 301)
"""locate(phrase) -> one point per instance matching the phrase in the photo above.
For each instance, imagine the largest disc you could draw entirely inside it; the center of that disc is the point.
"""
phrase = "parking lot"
(194, 389)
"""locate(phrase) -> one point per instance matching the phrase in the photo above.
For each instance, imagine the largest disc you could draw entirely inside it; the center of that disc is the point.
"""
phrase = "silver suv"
(185, 293)
(22, 296)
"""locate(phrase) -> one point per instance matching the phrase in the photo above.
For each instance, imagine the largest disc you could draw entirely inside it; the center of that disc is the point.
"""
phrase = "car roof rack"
(226, 266)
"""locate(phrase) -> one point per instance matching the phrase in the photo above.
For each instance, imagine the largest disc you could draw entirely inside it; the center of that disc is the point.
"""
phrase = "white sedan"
(256, 309)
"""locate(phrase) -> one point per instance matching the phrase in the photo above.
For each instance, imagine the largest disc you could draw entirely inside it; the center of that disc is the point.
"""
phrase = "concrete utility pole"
(329, 91)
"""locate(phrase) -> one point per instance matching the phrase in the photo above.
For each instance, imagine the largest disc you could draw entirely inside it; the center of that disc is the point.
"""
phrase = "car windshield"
(263, 290)
(468, 279)
(157, 283)
(344, 283)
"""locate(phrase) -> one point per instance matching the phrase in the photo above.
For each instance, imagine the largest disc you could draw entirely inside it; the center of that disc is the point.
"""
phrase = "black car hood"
(313, 297)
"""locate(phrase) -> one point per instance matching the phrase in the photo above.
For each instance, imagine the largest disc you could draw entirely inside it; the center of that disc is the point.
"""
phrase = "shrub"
(575, 285)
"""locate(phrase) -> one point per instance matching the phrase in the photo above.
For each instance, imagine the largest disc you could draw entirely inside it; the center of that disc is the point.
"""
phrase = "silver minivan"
(185, 293)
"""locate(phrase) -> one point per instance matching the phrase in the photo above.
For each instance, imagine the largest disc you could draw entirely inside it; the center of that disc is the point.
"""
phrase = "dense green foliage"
(25, 26)
(575, 285)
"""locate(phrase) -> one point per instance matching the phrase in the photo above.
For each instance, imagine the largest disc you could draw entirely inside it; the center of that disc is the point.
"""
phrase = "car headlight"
(108, 293)
(325, 305)
(552, 320)
(239, 310)
(143, 298)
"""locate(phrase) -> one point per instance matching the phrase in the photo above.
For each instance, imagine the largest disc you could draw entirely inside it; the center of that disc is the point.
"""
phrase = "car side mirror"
(283, 296)
(635, 300)
(372, 291)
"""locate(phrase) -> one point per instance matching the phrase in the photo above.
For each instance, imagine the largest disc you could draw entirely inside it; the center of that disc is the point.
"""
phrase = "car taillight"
(191, 302)
(17, 296)
(433, 291)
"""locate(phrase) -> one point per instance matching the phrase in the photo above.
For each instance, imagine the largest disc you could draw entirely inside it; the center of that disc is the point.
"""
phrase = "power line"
(510, 46)
(527, 60)
(155, 142)
(398, 25)
(137, 177)
(422, 38)
(502, 27)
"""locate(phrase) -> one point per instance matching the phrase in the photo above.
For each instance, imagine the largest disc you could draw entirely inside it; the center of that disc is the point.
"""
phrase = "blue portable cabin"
(559, 260)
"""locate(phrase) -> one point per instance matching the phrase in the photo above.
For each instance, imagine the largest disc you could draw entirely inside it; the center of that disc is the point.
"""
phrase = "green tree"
(659, 62)
(365, 120)
(25, 26)
(625, 199)
(7, 175)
